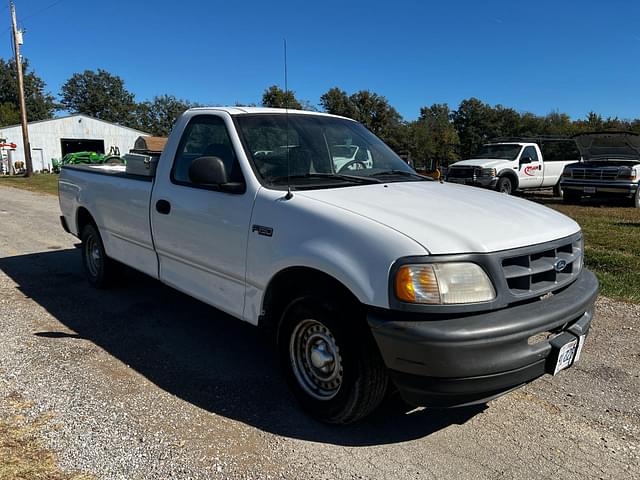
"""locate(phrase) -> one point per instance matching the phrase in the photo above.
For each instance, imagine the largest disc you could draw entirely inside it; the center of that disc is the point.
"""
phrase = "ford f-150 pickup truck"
(508, 165)
(611, 168)
(368, 275)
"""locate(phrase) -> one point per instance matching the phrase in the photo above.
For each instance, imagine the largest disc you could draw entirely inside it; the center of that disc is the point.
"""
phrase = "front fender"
(356, 251)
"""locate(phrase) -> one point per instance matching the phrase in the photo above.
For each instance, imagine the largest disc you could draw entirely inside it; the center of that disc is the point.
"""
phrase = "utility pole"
(17, 41)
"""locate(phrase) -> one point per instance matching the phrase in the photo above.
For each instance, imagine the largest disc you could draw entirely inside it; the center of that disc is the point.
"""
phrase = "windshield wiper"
(336, 176)
(400, 172)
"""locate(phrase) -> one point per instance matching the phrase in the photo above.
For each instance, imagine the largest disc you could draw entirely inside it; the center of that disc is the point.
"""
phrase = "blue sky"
(538, 56)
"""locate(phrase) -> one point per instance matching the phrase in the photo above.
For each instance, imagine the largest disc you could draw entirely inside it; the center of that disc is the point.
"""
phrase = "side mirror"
(208, 171)
(524, 160)
(211, 172)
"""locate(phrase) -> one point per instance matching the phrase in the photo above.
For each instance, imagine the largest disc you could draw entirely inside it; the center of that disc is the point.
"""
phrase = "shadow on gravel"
(198, 353)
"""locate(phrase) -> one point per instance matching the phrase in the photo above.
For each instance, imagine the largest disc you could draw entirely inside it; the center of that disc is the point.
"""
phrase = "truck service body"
(522, 164)
(368, 274)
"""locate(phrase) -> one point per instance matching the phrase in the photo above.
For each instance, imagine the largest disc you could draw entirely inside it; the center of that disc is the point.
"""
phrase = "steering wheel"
(362, 165)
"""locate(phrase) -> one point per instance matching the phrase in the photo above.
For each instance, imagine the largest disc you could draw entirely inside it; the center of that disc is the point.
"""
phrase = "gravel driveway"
(142, 382)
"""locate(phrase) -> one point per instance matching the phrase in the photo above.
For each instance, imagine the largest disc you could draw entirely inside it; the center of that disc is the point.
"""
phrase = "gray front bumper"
(486, 182)
(465, 359)
(601, 188)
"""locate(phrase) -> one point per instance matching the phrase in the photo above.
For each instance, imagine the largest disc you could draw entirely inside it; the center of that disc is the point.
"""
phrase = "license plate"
(589, 189)
(569, 354)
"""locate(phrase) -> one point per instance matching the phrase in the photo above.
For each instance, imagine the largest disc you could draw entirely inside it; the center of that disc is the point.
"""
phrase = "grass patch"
(43, 183)
(612, 246)
(22, 455)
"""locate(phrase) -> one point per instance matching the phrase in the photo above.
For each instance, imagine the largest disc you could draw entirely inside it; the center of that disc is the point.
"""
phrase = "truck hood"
(447, 218)
(609, 145)
(480, 162)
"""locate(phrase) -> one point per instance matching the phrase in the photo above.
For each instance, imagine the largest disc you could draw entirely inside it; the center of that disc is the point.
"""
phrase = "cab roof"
(262, 110)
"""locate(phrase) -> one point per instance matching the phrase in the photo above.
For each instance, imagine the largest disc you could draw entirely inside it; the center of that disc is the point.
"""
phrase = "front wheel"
(557, 190)
(635, 201)
(331, 360)
(505, 185)
(570, 198)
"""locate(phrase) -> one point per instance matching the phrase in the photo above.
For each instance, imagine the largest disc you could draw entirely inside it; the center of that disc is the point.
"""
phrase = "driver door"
(200, 233)
(530, 173)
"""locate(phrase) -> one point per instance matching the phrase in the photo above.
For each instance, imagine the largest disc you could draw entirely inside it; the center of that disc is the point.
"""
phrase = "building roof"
(76, 115)
(150, 144)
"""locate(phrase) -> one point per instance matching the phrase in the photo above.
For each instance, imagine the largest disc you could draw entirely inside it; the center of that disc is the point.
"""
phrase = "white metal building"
(56, 137)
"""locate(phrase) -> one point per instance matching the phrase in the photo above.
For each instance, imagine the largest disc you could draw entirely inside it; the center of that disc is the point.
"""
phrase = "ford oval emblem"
(560, 265)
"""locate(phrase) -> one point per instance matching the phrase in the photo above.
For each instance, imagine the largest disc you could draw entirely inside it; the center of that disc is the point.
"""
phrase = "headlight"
(567, 172)
(443, 283)
(488, 172)
(578, 251)
(626, 173)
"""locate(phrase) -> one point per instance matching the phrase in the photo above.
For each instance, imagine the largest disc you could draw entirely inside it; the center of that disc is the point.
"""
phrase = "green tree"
(40, 104)
(99, 94)
(472, 120)
(434, 140)
(157, 116)
(275, 97)
(337, 102)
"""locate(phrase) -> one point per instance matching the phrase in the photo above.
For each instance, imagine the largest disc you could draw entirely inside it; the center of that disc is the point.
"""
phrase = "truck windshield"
(502, 152)
(316, 151)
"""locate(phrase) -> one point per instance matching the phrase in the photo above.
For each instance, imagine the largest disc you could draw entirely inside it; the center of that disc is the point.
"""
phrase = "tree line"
(439, 135)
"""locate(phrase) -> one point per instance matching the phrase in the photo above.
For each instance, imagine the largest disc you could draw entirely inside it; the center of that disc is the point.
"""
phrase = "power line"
(51, 5)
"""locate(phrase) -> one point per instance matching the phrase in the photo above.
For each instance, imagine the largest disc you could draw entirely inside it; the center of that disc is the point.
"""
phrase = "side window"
(205, 135)
(530, 152)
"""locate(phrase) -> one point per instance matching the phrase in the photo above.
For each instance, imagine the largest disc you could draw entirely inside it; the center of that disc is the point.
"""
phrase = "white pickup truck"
(369, 275)
(507, 165)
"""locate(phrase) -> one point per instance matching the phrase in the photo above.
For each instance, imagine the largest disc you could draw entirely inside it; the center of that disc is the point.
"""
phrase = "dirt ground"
(143, 382)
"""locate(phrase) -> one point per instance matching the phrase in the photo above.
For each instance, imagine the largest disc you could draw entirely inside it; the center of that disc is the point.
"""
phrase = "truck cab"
(518, 164)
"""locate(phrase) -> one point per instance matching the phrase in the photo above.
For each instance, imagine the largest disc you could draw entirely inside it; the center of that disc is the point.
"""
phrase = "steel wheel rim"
(505, 188)
(315, 359)
(93, 256)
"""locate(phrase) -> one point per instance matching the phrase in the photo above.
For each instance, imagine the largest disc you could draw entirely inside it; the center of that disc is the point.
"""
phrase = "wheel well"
(294, 282)
(83, 218)
(512, 176)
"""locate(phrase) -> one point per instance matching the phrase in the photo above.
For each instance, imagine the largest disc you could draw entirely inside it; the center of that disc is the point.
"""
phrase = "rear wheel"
(505, 185)
(331, 360)
(99, 269)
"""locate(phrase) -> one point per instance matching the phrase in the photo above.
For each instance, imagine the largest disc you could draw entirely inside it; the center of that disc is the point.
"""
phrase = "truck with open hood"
(610, 168)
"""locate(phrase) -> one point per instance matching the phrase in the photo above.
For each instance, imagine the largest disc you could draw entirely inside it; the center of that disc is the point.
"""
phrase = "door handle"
(163, 207)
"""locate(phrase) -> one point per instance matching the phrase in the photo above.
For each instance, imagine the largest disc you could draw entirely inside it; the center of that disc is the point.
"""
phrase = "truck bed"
(119, 203)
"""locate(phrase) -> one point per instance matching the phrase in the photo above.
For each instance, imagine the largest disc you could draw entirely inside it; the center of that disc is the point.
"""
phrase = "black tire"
(99, 269)
(635, 201)
(570, 198)
(557, 190)
(354, 382)
(505, 185)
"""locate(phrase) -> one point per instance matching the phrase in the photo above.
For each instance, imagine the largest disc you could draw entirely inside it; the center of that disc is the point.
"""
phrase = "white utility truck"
(610, 168)
(512, 164)
(369, 276)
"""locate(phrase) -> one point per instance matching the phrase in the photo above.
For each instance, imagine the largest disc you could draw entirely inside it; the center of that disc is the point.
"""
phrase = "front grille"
(543, 270)
(595, 173)
(462, 172)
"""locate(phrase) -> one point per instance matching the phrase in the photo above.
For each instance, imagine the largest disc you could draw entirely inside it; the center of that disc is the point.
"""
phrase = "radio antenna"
(289, 195)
